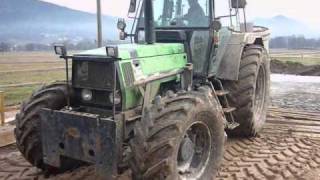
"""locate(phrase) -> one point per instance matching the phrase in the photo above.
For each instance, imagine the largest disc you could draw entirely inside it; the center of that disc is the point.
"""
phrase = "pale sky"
(307, 11)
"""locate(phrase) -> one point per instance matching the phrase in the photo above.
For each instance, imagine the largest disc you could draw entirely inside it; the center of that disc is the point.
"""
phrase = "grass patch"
(305, 61)
(14, 96)
(20, 57)
(29, 66)
(17, 61)
(29, 77)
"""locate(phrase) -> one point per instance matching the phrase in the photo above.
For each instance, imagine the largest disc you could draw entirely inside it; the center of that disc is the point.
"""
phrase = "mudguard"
(226, 63)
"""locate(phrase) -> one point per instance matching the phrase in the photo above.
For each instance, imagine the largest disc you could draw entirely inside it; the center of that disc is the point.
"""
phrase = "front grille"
(93, 74)
(128, 73)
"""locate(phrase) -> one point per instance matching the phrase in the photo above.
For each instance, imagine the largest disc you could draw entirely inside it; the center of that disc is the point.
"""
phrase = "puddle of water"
(294, 78)
(290, 91)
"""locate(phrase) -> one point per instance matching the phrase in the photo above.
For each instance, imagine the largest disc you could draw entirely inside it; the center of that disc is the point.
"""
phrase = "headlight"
(86, 94)
(117, 98)
(112, 51)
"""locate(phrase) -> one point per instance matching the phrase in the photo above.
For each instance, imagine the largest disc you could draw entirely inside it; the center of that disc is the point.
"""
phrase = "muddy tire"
(28, 122)
(164, 143)
(250, 94)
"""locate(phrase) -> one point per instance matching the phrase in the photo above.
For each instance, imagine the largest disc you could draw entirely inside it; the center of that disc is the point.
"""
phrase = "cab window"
(181, 13)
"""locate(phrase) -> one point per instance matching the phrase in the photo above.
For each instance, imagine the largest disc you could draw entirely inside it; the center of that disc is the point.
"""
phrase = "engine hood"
(130, 51)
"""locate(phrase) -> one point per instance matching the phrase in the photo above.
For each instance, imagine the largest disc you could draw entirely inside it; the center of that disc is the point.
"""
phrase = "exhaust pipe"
(99, 24)
(149, 22)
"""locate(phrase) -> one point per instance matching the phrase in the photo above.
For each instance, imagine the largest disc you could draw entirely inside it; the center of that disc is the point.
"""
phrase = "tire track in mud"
(14, 167)
(270, 157)
(287, 148)
(293, 123)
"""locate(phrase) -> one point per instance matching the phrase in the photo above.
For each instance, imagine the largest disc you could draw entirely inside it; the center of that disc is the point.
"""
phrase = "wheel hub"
(186, 150)
(194, 152)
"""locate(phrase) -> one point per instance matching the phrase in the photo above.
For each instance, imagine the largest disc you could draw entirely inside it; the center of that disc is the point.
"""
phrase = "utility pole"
(99, 30)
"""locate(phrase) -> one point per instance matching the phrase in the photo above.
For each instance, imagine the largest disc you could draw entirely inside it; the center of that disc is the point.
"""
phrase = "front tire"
(28, 124)
(250, 94)
(181, 137)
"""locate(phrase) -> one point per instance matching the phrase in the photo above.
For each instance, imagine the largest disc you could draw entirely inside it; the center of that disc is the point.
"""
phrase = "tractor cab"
(193, 23)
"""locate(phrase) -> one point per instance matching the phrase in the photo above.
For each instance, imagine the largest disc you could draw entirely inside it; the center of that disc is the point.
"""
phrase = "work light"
(112, 51)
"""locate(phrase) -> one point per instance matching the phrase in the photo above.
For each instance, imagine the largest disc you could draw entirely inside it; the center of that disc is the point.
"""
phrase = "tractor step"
(229, 109)
(221, 93)
(231, 126)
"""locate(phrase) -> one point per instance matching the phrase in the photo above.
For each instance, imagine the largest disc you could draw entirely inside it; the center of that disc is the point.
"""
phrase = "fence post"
(2, 108)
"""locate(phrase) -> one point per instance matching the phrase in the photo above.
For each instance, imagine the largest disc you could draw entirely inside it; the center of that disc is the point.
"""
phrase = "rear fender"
(227, 61)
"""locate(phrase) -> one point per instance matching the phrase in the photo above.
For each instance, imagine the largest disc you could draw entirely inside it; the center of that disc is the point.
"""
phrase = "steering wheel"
(178, 21)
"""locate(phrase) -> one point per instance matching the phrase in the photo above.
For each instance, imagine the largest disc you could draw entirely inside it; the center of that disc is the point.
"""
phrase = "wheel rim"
(260, 90)
(194, 151)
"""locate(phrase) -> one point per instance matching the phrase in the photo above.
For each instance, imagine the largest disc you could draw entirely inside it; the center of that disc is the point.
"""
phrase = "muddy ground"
(295, 68)
(287, 148)
(299, 92)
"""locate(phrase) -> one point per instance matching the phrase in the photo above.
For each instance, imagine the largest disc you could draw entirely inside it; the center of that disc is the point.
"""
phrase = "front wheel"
(180, 138)
(28, 126)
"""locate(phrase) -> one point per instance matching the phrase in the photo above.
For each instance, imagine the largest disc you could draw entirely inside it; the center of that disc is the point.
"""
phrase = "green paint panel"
(159, 64)
(140, 50)
(149, 66)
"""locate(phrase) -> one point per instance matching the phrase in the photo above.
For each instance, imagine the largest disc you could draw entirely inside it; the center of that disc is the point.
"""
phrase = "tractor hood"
(130, 51)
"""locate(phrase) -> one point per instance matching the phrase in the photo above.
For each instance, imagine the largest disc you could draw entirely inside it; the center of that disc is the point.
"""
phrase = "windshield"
(181, 13)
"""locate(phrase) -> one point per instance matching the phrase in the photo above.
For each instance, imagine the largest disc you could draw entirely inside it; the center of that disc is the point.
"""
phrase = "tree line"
(294, 42)
(80, 45)
(282, 42)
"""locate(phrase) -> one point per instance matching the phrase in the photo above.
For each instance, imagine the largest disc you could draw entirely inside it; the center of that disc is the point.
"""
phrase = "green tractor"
(160, 106)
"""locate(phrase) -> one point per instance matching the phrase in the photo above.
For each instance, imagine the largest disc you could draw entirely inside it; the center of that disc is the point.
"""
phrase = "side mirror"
(121, 25)
(216, 24)
(238, 4)
(60, 49)
(133, 5)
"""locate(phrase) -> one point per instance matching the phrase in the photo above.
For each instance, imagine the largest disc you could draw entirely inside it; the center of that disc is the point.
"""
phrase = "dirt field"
(31, 68)
(287, 148)
(296, 68)
(303, 56)
(298, 62)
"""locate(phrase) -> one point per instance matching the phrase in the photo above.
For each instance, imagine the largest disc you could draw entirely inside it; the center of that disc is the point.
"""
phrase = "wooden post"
(2, 108)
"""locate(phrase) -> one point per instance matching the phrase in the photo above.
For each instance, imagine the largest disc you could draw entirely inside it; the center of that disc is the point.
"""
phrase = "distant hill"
(37, 21)
(23, 21)
(284, 26)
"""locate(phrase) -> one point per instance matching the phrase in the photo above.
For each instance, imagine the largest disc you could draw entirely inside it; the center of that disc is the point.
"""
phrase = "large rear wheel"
(250, 94)
(181, 137)
(28, 124)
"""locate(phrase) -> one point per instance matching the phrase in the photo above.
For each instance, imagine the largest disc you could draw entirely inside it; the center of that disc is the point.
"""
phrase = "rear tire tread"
(242, 91)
